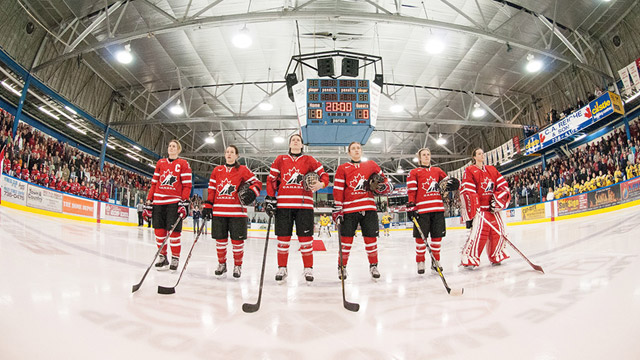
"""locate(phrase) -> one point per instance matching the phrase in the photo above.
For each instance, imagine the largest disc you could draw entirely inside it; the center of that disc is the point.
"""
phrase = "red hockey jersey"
(286, 175)
(223, 189)
(422, 186)
(349, 187)
(481, 184)
(171, 182)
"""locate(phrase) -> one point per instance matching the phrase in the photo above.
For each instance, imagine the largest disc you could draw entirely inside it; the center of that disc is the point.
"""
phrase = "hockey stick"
(455, 292)
(164, 242)
(251, 308)
(347, 305)
(534, 266)
(171, 290)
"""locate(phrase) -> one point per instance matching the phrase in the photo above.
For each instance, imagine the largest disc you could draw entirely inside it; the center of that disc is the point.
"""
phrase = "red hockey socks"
(283, 250)
(346, 249)
(161, 234)
(306, 248)
(421, 249)
(371, 247)
(221, 248)
(435, 247)
(174, 240)
(238, 251)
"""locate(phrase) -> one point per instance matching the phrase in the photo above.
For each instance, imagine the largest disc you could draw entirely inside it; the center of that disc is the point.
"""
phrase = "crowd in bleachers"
(605, 161)
(41, 159)
(554, 115)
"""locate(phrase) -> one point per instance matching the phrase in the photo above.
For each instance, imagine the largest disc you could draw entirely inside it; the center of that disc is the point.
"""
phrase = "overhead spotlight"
(441, 140)
(137, 147)
(266, 105)
(364, 159)
(478, 111)
(434, 46)
(77, 129)
(70, 110)
(133, 157)
(396, 108)
(124, 56)
(209, 139)
(533, 65)
(177, 109)
(376, 140)
(243, 38)
(400, 170)
(415, 160)
(278, 139)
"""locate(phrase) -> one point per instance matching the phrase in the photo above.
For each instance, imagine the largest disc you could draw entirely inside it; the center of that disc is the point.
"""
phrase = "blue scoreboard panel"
(336, 111)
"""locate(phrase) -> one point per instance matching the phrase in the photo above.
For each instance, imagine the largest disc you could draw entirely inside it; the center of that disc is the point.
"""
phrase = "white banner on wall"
(14, 190)
(44, 199)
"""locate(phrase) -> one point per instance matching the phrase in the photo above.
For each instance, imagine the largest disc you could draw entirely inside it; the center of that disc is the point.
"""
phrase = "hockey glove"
(337, 215)
(207, 210)
(182, 208)
(271, 205)
(247, 194)
(452, 184)
(147, 213)
(411, 210)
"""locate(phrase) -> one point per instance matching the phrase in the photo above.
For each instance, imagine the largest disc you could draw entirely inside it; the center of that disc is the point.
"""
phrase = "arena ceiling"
(183, 50)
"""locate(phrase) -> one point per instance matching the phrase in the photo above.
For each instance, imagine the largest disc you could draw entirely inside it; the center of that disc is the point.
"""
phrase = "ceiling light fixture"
(77, 129)
(124, 56)
(41, 108)
(133, 157)
(533, 65)
(278, 139)
(478, 111)
(70, 110)
(415, 160)
(376, 140)
(400, 170)
(364, 159)
(441, 140)
(396, 108)
(177, 109)
(209, 139)
(434, 46)
(242, 39)
(137, 147)
(11, 88)
(266, 105)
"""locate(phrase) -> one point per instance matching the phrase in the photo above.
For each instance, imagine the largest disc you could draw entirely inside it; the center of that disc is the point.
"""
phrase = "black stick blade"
(351, 306)
(166, 290)
(135, 288)
(251, 308)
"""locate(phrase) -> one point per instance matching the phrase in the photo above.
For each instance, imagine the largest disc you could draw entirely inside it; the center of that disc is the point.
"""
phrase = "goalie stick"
(172, 290)
(452, 292)
(164, 242)
(251, 308)
(504, 236)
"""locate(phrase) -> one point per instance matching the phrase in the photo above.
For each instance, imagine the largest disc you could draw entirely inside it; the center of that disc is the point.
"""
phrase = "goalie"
(425, 186)
(484, 192)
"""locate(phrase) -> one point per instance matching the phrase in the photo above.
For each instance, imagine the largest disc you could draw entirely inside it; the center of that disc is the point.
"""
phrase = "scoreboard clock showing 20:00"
(336, 111)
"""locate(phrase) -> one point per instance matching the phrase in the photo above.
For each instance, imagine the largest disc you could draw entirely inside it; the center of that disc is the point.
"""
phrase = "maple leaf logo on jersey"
(168, 179)
(226, 188)
(487, 185)
(294, 177)
(358, 183)
(431, 185)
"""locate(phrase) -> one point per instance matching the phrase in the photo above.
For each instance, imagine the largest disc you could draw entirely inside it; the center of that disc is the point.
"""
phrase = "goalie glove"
(499, 200)
(271, 205)
(182, 208)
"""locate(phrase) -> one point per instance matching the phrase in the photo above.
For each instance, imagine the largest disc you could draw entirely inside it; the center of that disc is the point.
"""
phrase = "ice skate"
(174, 263)
(237, 271)
(373, 269)
(282, 273)
(222, 268)
(421, 267)
(162, 263)
(308, 274)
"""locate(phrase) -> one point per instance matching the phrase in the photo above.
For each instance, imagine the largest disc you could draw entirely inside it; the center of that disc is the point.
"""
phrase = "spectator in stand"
(550, 195)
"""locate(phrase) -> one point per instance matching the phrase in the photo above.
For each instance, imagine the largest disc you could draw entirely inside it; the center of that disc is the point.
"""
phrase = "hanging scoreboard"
(336, 111)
